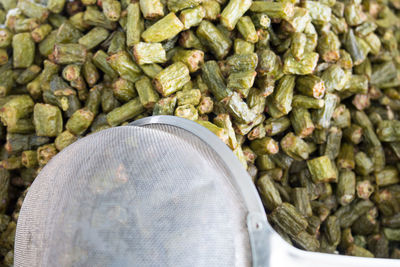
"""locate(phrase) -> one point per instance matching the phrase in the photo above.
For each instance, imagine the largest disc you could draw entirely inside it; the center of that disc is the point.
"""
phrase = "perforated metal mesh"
(134, 196)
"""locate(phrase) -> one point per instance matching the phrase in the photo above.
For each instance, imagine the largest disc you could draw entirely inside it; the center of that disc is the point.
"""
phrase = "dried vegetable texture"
(305, 93)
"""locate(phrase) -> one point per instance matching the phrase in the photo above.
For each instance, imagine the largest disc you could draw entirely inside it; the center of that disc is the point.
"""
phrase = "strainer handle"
(270, 250)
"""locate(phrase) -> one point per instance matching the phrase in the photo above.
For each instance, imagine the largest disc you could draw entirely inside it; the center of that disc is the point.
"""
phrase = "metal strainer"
(163, 191)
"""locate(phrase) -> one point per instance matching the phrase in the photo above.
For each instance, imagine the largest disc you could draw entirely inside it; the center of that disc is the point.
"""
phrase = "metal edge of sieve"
(257, 224)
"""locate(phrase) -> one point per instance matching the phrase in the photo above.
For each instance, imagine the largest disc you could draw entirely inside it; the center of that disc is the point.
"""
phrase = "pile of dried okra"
(305, 93)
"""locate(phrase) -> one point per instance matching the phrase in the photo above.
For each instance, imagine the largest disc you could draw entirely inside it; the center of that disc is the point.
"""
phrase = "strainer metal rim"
(258, 227)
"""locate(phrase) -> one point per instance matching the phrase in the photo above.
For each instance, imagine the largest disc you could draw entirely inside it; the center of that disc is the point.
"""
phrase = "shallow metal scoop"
(163, 191)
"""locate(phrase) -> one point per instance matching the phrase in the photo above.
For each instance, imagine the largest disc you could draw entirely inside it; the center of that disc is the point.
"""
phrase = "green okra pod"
(322, 169)
(134, 25)
(121, 63)
(23, 50)
(283, 94)
(177, 5)
(388, 130)
(301, 201)
(80, 121)
(220, 132)
(345, 158)
(301, 121)
(298, 22)
(333, 142)
(289, 219)
(93, 101)
(346, 187)
(46, 46)
(64, 139)
(125, 112)
(29, 159)
(241, 46)
(108, 100)
(322, 117)
(265, 145)
(332, 230)
(45, 153)
(171, 79)
(302, 67)
(261, 20)
(366, 224)
(388, 176)
(356, 47)
(165, 106)
(6, 37)
(247, 29)
(47, 120)
(241, 81)
(16, 108)
(233, 12)
(68, 33)
(11, 163)
(56, 6)
(33, 10)
(111, 9)
(192, 17)
(354, 250)
(148, 53)
(268, 192)
(239, 109)
(191, 96)
(151, 70)
(319, 12)
(40, 33)
(188, 112)
(22, 126)
(212, 8)
(123, 90)
(278, 10)
(295, 147)
(152, 9)
(306, 102)
(298, 45)
(69, 53)
(355, 211)
(354, 14)
(364, 164)
(94, 37)
(94, 17)
(311, 85)
(212, 76)
(242, 62)
(189, 40)
(117, 43)
(341, 117)
(223, 120)
(147, 94)
(193, 59)
(364, 189)
(369, 134)
(214, 39)
(328, 47)
(276, 126)
(353, 133)
(6, 82)
(166, 28)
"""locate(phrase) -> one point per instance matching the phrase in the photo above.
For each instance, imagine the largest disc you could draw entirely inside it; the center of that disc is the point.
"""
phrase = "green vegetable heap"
(305, 93)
